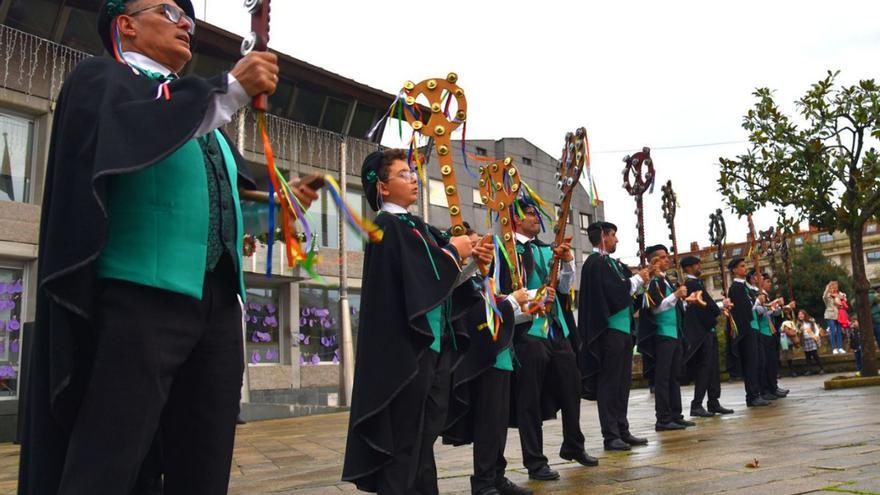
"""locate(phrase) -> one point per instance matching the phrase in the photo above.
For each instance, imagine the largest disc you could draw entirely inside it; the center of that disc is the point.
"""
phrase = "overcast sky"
(676, 76)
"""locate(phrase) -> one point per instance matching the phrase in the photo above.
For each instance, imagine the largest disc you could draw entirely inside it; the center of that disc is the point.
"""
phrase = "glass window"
(826, 237)
(481, 151)
(15, 168)
(798, 241)
(79, 33)
(34, 16)
(353, 240)
(437, 195)
(264, 325)
(871, 228)
(329, 219)
(737, 251)
(280, 99)
(873, 256)
(209, 65)
(11, 290)
(585, 220)
(716, 281)
(334, 115)
(362, 121)
(319, 323)
(526, 161)
(308, 106)
(477, 196)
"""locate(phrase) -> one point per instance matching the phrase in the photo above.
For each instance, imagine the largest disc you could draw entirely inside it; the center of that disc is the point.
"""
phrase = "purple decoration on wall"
(16, 287)
(13, 346)
(270, 321)
(261, 337)
(4, 288)
(13, 325)
(255, 357)
(302, 359)
(271, 355)
(335, 359)
(316, 359)
(323, 312)
(304, 339)
(7, 371)
(270, 308)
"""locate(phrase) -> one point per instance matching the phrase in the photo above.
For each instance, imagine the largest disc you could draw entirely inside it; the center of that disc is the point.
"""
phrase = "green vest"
(667, 321)
(764, 325)
(504, 360)
(622, 320)
(157, 222)
(542, 255)
(436, 322)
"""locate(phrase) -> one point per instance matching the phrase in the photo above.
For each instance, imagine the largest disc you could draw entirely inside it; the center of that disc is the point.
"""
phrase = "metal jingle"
(252, 5)
(439, 130)
(453, 210)
(626, 159)
(482, 169)
(417, 125)
(459, 92)
(442, 150)
(646, 149)
(432, 84)
(507, 236)
(498, 186)
(457, 230)
(581, 132)
(445, 170)
(559, 184)
(460, 116)
(452, 77)
(556, 229)
(511, 172)
(648, 162)
(410, 100)
(484, 199)
(558, 176)
(248, 43)
(435, 107)
(450, 190)
(568, 136)
(515, 285)
(570, 181)
(514, 187)
(501, 205)
(493, 167)
(504, 221)
(409, 85)
(508, 160)
(579, 156)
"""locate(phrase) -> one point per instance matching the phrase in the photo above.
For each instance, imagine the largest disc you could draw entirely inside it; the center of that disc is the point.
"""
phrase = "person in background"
(855, 343)
(844, 320)
(831, 297)
(788, 341)
(874, 298)
(810, 330)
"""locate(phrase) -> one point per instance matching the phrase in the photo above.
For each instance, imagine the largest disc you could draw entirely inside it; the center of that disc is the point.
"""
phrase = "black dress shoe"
(670, 426)
(717, 408)
(632, 440)
(616, 444)
(544, 473)
(684, 422)
(507, 487)
(699, 412)
(768, 396)
(489, 491)
(781, 392)
(581, 458)
(757, 402)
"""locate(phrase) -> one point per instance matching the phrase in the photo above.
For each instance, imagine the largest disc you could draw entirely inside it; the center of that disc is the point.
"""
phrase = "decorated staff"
(499, 186)
(637, 186)
(670, 204)
(439, 127)
(782, 243)
(717, 235)
(771, 312)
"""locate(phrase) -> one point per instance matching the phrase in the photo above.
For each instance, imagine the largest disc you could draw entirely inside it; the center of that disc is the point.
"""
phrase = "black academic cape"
(699, 320)
(604, 291)
(549, 405)
(480, 357)
(648, 327)
(400, 286)
(107, 121)
(741, 312)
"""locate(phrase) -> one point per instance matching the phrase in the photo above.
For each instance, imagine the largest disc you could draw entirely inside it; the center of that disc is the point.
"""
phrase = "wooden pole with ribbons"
(575, 156)
(439, 127)
(637, 186)
(500, 184)
(717, 235)
(670, 206)
(257, 40)
(754, 253)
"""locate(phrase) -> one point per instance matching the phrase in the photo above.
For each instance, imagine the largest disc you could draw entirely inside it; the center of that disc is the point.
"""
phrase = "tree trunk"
(860, 279)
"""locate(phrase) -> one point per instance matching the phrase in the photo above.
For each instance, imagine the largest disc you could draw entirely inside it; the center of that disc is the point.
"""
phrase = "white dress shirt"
(222, 105)
(668, 302)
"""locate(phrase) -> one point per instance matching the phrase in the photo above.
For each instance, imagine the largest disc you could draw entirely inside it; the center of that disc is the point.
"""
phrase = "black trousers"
(708, 375)
(613, 384)
(814, 357)
(549, 363)
(667, 391)
(164, 362)
(770, 363)
(418, 414)
(750, 361)
(491, 413)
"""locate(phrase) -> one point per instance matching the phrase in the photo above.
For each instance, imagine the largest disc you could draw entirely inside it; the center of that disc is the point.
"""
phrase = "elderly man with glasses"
(138, 328)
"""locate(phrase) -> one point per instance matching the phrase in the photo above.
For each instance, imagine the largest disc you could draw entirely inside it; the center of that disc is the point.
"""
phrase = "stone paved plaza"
(815, 441)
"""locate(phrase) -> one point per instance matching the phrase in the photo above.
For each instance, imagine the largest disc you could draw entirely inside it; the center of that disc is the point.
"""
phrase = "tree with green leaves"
(822, 165)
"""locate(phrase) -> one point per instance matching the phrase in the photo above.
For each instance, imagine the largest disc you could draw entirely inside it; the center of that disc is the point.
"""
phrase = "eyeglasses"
(405, 175)
(174, 14)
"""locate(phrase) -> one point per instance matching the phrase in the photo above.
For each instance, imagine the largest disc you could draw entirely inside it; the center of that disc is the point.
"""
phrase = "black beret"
(106, 16)
(603, 226)
(735, 261)
(370, 178)
(689, 261)
(652, 249)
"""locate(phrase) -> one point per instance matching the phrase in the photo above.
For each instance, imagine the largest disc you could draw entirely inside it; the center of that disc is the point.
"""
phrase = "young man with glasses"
(414, 289)
(138, 328)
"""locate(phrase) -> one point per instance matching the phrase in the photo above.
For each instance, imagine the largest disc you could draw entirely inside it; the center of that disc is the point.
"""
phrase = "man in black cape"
(548, 380)
(661, 338)
(768, 335)
(702, 353)
(605, 323)
(745, 330)
(414, 291)
(138, 320)
(479, 407)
